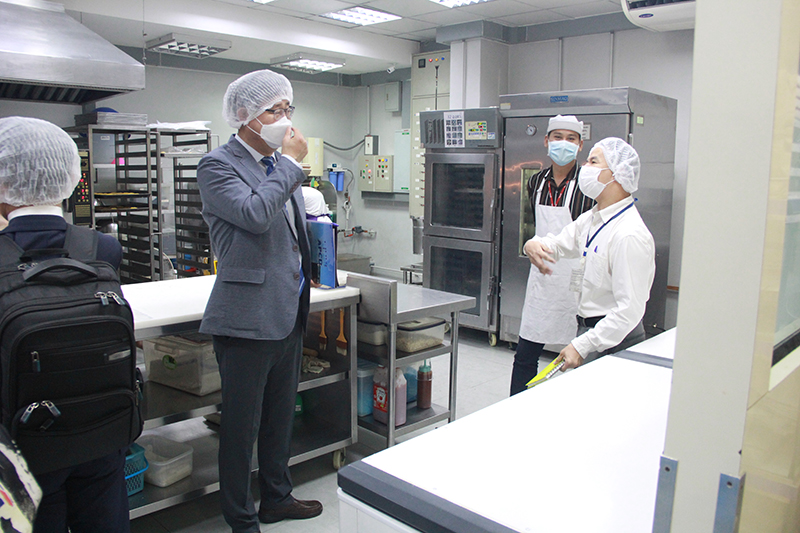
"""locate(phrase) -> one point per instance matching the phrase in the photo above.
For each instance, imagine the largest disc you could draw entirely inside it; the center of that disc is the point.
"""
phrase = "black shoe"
(296, 510)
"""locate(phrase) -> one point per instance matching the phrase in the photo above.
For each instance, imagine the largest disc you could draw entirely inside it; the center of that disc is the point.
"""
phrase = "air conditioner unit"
(660, 15)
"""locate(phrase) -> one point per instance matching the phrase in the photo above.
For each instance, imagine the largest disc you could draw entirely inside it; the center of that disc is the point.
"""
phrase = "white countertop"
(175, 301)
(578, 454)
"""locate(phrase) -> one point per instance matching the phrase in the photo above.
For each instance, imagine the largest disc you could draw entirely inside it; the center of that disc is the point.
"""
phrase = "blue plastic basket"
(135, 466)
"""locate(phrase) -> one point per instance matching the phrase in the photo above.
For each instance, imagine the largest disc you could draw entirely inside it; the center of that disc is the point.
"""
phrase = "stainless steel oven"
(468, 268)
(462, 195)
(461, 231)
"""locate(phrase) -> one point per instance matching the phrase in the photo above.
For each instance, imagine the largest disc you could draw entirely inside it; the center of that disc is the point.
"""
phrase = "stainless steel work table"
(387, 302)
(176, 306)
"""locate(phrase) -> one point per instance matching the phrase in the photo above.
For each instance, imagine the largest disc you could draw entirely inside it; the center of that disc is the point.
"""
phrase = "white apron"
(548, 314)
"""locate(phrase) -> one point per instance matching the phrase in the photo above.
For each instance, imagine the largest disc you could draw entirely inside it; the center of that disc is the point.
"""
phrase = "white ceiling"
(260, 32)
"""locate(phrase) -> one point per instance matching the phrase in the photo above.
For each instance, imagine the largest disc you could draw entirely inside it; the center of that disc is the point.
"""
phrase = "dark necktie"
(270, 165)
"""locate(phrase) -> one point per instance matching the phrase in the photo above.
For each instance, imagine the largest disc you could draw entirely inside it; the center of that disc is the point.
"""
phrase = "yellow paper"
(545, 374)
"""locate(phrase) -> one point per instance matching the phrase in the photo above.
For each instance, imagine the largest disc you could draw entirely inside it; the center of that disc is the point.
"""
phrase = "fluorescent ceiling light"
(261, 1)
(308, 63)
(361, 16)
(188, 46)
(458, 3)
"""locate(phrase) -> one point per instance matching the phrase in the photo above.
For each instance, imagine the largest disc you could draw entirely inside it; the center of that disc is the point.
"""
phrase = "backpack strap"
(81, 243)
(10, 251)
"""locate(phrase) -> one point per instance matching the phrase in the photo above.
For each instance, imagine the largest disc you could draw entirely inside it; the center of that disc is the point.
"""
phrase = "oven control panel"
(461, 128)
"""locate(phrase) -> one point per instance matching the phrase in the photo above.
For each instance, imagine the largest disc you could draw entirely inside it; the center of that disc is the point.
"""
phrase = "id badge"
(576, 279)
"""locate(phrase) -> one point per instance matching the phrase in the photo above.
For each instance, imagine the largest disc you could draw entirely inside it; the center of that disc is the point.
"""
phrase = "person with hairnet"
(616, 255)
(316, 208)
(548, 313)
(39, 168)
(258, 308)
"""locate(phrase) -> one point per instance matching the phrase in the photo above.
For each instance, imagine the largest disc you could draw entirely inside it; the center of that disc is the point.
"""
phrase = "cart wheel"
(492, 339)
(339, 458)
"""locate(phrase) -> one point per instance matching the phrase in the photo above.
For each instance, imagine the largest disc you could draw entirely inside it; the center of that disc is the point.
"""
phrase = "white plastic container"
(169, 461)
(417, 335)
(370, 333)
(186, 364)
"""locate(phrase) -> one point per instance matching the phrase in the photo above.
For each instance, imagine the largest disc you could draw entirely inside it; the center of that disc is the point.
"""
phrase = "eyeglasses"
(281, 112)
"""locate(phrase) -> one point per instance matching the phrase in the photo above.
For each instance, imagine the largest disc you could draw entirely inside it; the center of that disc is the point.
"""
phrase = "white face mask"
(589, 183)
(273, 133)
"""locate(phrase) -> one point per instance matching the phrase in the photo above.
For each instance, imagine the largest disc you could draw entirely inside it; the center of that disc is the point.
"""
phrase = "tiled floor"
(483, 379)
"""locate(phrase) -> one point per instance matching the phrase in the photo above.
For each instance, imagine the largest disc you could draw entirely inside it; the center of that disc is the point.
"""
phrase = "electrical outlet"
(370, 145)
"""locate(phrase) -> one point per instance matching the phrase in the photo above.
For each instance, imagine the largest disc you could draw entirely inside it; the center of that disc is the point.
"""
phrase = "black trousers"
(89, 498)
(526, 364)
(259, 386)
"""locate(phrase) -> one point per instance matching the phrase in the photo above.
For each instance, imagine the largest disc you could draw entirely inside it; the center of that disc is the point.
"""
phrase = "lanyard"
(556, 201)
(589, 241)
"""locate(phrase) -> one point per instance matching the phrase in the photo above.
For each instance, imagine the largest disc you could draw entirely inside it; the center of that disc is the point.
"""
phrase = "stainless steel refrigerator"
(645, 120)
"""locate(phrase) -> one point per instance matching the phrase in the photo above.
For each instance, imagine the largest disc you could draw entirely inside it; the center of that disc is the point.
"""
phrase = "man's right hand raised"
(294, 144)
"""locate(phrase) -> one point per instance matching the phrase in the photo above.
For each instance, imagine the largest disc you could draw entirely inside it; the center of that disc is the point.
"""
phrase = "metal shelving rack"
(135, 204)
(327, 425)
(139, 215)
(192, 241)
(384, 301)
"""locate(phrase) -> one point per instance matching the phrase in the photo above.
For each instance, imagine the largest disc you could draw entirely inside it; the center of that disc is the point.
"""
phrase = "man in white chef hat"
(548, 314)
(616, 254)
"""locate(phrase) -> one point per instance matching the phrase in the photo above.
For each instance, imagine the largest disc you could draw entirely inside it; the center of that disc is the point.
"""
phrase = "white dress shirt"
(36, 210)
(618, 271)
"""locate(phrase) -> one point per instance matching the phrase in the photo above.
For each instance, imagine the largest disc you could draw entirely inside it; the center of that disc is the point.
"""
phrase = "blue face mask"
(562, 152)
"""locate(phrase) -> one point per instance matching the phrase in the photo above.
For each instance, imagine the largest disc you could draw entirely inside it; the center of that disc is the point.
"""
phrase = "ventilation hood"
(47, 56)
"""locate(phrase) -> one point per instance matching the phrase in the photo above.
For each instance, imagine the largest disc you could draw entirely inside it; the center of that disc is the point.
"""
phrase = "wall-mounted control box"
(376, 173)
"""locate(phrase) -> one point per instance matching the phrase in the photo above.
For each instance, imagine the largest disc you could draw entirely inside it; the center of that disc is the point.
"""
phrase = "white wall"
(59, 114)
(386, 214)
(660, 63)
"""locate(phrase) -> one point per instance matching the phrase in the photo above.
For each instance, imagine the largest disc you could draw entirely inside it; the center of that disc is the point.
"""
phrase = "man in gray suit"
(259, 305)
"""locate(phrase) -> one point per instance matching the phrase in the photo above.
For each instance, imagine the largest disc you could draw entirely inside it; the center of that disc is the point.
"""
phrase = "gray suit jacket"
(255, 295)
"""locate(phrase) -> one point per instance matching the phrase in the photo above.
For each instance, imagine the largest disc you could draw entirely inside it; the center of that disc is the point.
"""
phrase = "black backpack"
(69, 386)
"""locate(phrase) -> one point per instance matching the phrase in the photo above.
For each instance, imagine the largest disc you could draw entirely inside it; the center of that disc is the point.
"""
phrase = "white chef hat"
(252, 94)
(565, 122)
(622, 160)
(39, 162)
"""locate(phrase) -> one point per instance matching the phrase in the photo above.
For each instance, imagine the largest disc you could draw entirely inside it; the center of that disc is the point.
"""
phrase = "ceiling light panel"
(188, 46)
(261, 1)
(458, 3)
(308, 63)
(361, 16)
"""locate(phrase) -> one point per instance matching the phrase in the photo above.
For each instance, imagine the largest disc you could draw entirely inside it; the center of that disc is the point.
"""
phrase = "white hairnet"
(252, 94)
(315, 202)
(39, 162)
(622, 160)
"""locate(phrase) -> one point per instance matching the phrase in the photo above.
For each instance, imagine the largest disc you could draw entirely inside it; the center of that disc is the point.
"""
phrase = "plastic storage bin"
(365, 372)
(169, 461)
(187, 363)
(135, 467)
(417, 335)
(370, 333)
